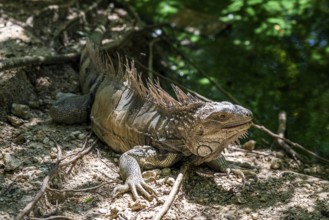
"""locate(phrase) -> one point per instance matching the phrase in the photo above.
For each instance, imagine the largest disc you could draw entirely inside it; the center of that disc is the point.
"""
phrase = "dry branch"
(170, 199)
(81, 15)
(281, 131)
(53, 171)
(37, 60)
(262, 128)
(64, 58)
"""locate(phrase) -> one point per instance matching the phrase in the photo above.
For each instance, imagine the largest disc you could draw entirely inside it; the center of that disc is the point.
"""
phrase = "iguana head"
(216, 124)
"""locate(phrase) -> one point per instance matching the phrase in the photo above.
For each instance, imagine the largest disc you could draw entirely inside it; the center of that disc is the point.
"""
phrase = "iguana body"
(146, 124)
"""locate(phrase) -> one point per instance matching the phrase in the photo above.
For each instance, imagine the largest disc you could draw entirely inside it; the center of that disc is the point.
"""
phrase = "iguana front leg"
(221, 165)
(145, 157)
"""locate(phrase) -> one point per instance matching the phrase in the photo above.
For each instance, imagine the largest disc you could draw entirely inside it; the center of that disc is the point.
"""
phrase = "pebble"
(139, 204)
(276, 164)
(39, 137)
(82, 136)
(102, 211)
(14, 121)
(22, 111)
(11, 163)
(115, 210)
(46, 140)
(165, 171)
(170, 181)
(249, 145)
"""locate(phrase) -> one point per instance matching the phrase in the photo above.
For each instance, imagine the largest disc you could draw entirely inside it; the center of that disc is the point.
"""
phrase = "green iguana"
(150, 127)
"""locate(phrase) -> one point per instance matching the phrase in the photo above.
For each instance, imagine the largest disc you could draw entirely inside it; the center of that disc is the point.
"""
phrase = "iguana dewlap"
(150, 127)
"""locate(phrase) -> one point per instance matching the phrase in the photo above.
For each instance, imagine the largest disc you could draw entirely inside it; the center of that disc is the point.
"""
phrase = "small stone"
(75, 133)
(114, 212)
(22, 111)
(170, 181)
(249, 145)
(11, 163)
(14, 121)
(102, 211)
(279, 154)
(165, 171)
(276, 164)
(82, 136)
(20, 139)
(139, 204)
(255, 216)
(46, 140)
(241, 200)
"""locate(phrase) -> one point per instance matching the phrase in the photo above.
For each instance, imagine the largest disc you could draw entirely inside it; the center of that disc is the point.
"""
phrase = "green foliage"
(273, 55)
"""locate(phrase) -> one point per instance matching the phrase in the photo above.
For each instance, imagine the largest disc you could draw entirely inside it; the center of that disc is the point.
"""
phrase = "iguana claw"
(135, 185)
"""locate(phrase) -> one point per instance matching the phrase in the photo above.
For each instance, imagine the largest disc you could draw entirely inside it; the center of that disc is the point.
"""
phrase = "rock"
(20, 110)
(276, 164)
(139, 204)
(115, 210)
(170, 181)
(165, 171)
(82, 136)
(74, 134)
(11, 163)
(46, 140)
(20, 139)
(279, 154)
(12, 83)
(14, 121)
(39, 136)
(102, 211)
(249, 145)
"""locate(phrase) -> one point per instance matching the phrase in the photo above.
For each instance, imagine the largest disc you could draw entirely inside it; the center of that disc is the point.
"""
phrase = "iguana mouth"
(238, 124)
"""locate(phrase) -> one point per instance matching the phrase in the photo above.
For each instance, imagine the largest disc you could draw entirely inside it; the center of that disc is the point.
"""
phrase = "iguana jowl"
(151, 128)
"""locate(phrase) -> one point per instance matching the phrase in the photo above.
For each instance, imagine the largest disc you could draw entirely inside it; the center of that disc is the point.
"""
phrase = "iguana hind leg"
(70, 108)
(222, 165)
(144, 157)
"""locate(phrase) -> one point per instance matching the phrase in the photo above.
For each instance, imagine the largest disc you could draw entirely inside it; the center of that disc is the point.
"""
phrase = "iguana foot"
(220, 164)
(241, 172)
(135, 184)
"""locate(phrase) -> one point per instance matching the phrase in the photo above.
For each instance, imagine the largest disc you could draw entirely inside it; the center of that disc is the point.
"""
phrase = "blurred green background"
(271, 55)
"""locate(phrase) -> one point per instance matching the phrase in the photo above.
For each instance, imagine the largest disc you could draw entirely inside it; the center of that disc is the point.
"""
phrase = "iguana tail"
(71, 108)
(91, 75)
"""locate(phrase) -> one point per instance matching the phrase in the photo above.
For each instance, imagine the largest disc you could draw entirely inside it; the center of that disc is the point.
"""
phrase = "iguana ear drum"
(204, 150)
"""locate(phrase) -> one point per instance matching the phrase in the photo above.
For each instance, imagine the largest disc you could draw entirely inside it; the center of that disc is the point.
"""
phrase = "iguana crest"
(152, 91)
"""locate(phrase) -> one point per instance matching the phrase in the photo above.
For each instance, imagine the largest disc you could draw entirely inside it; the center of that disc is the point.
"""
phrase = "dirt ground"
(283, 189)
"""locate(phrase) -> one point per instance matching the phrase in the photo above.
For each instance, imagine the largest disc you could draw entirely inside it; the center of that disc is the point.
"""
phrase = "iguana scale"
(143, 122)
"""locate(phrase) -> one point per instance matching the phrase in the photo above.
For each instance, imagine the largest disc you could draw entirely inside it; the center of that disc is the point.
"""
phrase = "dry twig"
(281, 131)
(170, 199)
(262, 128)
(53, 171)
(37, 60)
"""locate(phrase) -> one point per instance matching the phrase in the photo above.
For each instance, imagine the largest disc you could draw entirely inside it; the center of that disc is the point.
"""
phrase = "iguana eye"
(220, 117)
